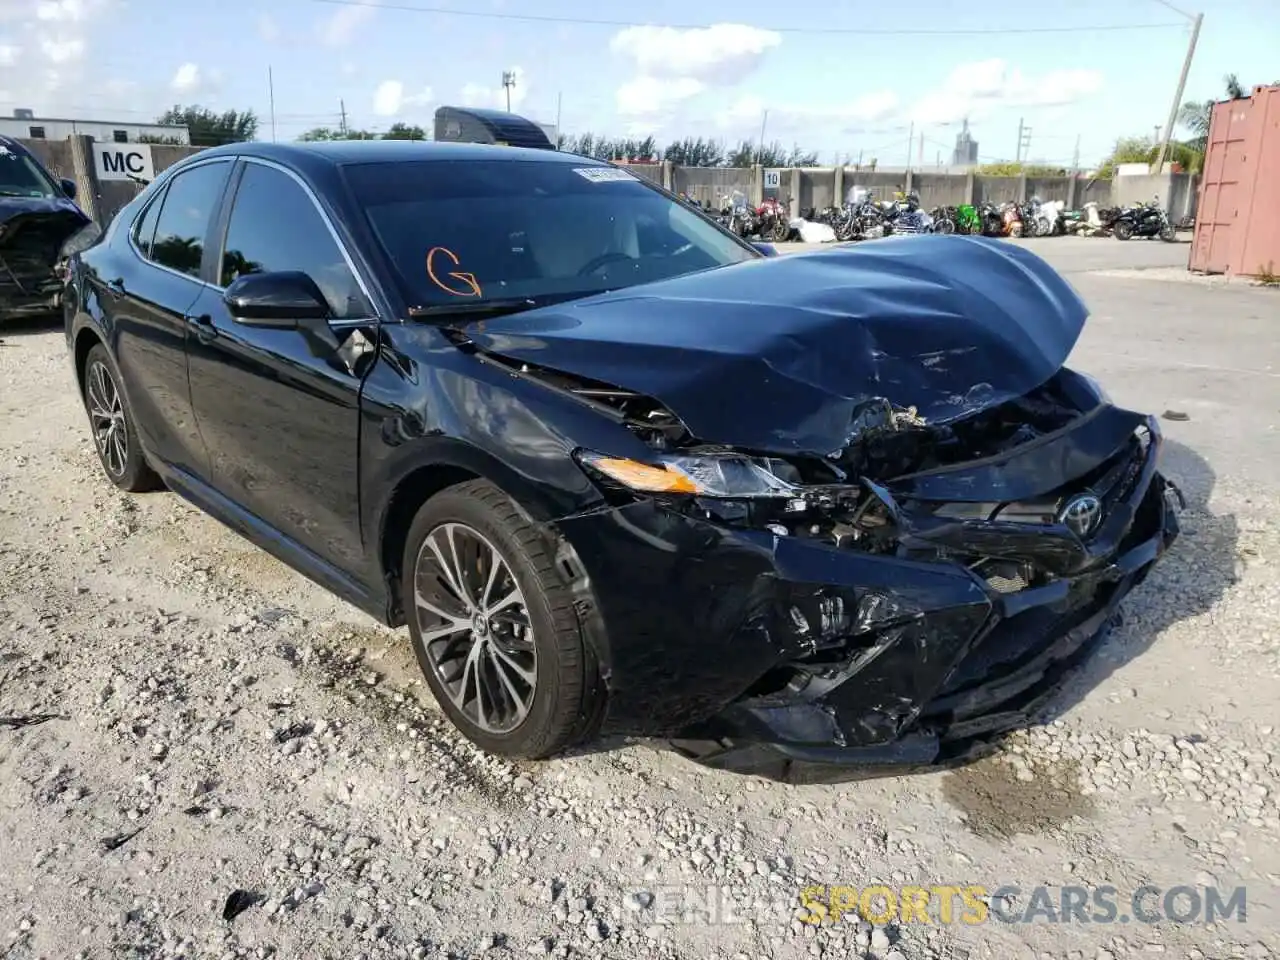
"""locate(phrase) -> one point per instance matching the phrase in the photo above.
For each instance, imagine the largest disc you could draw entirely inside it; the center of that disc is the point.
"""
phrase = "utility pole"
(342, 124)
(1017, 156)
(558, 134)
(271, 92)
(764, 120)
(1024, 141)
(920, 152)
(1182, 84)
(1075, 157)
(911, 139)
(508, 81)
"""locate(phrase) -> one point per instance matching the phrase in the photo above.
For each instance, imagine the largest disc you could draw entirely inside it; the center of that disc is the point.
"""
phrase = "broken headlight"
(81, 240)
(729, 476)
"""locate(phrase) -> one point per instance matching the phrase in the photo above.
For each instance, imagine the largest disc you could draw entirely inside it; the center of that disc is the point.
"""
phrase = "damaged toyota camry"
(814, 517)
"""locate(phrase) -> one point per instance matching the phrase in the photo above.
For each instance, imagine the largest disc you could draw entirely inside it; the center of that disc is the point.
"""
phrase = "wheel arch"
(436, 466)
(86, 339)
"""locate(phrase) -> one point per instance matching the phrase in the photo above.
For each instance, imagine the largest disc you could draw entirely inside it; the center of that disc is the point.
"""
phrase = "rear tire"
(1123, 230)
(1168, 234)
(115, 437)
(533, 686)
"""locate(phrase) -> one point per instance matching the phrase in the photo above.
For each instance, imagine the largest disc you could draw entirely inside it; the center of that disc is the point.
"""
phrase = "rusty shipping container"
(1238, 220)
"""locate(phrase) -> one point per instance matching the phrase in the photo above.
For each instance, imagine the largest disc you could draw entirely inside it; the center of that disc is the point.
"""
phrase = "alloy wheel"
(475, 627)
(106, 415)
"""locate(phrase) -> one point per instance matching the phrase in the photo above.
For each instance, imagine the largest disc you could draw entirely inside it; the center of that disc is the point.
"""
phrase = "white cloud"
(976, 90)
(340, 27)
(479, 95)
(268, 29)
(645, 96)
(62, 11)
(723, 53)
(389, 99)
(45, 51)
(186, 79)
(60, 50)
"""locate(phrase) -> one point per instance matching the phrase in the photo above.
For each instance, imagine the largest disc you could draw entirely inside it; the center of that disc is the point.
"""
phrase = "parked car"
(818, 515)
(38, 216)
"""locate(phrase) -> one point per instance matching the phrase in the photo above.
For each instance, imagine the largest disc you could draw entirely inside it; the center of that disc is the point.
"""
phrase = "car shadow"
(27, 326)
(1188, 581)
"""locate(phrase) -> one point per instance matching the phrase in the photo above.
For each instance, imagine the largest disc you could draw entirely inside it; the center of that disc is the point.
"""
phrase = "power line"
(812, 31)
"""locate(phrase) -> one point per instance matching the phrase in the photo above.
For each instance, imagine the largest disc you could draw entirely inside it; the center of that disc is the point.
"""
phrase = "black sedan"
(620, 472)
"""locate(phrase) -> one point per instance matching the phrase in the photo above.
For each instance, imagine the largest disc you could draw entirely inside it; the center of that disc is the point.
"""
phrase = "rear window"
(458, 231)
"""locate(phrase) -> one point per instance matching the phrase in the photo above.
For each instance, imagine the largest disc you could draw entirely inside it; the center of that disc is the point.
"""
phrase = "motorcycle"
(1011, 219)
(944, 219)
(967, 219)
(737, 216)
(910, 218)
(1144, 220)
(991, 219)
(772, 220)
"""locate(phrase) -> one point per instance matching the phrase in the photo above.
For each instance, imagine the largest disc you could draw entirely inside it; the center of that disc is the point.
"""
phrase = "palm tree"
(1194, 116)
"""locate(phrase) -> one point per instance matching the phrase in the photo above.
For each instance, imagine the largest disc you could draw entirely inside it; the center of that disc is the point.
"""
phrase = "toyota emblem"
(1081, 514)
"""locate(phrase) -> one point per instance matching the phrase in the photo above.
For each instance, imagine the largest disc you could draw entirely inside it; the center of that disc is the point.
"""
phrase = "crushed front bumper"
(799, 660)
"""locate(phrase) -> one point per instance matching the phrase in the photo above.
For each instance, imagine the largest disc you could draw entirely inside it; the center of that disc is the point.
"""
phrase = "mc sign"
(123, 161)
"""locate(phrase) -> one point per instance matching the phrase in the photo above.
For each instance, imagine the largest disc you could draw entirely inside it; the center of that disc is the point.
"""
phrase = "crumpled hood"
(35, 228)
(776, 354)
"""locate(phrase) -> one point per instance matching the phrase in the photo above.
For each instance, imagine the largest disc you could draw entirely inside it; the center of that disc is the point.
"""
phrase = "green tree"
(403, 131)
(153, 138)
(209, 128)
(1194, 115)
(1019, 169)
(328, 133)
(1145, 149)
(695, 152)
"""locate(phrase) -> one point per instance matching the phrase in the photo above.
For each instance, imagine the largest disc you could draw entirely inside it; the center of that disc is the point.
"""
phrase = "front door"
(146, 309)
(281, 419)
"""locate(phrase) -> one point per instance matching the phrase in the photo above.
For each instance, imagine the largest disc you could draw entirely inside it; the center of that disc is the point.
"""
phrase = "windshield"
(20, 176)
(470, 231)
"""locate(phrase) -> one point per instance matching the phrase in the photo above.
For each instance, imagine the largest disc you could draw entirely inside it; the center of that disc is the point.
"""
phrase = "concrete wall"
(1177, 192)
(807, 187)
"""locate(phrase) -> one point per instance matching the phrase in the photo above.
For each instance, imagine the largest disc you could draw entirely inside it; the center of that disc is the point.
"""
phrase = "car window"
(145, 230)
(190, 201)
(274, 226)
(494, 229)
(22, 176)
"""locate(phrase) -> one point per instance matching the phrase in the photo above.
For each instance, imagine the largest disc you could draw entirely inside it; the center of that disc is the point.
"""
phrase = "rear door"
(148, 311)
(281, 421)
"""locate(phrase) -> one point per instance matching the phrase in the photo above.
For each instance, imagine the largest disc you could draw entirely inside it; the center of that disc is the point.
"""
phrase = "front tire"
(493, 625)
(114, 435)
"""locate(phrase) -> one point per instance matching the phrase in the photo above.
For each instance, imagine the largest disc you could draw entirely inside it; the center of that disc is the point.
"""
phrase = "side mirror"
(768, 249)
(286, 299)
(68, 187)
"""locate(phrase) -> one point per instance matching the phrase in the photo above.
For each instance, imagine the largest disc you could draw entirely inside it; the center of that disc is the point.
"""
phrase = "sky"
(846, 78)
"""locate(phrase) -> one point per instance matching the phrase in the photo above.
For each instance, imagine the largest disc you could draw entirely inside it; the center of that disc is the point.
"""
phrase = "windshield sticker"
(457, 283)
(603, 174)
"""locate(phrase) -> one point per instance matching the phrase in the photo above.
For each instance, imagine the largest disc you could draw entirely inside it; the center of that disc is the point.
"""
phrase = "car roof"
(310, 155)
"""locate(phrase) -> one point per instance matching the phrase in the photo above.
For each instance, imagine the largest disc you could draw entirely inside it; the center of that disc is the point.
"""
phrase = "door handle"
(116, 286)
(203, 323)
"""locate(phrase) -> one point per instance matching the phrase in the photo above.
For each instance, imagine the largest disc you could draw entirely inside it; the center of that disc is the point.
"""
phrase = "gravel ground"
(230, 763)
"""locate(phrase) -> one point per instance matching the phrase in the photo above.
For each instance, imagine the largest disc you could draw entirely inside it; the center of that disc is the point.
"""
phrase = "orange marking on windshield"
(467, 279)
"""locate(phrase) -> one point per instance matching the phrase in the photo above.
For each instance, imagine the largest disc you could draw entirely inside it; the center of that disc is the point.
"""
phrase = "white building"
(24, 125)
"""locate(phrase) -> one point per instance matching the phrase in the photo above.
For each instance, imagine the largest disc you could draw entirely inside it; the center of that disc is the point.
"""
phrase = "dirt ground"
(220, 760)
